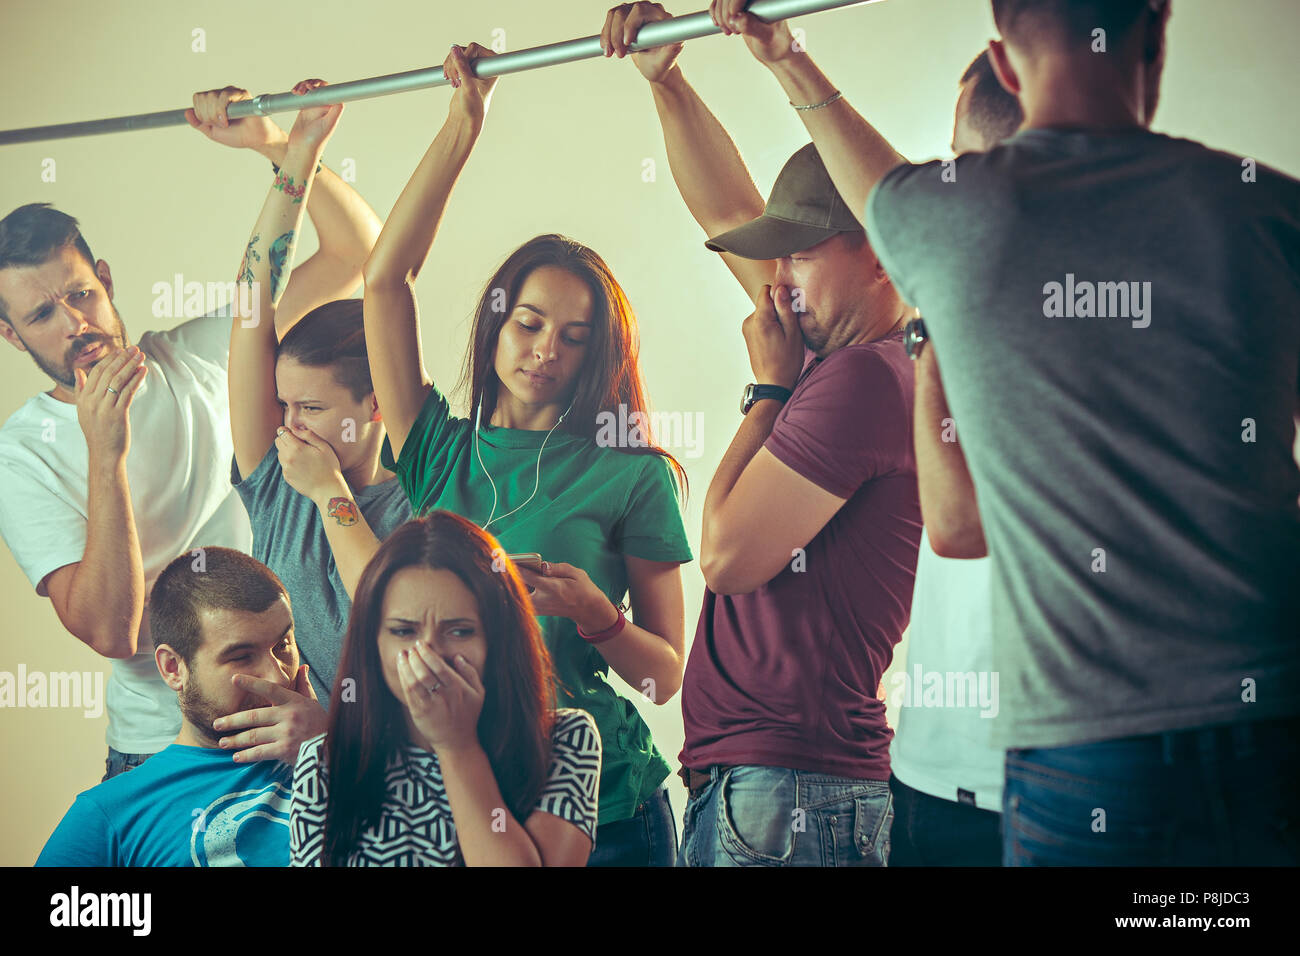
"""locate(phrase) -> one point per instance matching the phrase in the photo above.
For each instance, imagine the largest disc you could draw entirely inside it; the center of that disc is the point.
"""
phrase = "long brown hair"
(611, 371)
(368, 728)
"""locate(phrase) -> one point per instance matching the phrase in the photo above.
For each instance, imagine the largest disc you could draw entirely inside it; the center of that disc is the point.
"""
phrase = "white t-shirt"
(178, 470)
(944, 742)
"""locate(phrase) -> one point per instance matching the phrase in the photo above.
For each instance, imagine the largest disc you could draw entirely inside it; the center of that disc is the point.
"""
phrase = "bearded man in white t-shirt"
(124, 464)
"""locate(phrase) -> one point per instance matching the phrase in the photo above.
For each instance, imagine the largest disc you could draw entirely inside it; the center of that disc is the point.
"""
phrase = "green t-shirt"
(593, 506)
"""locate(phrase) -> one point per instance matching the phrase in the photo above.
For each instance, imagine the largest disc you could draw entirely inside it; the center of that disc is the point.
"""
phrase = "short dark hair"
(993, 112)
(30, 234)
(227, 580)
(332, 336)
(1065, 22)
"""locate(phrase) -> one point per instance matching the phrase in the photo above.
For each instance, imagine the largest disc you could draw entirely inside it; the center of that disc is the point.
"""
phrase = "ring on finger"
(111, 389)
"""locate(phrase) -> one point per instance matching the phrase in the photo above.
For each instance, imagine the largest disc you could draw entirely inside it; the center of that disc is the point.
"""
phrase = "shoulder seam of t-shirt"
(872, 358)
(646, 476)
(259, 475)
(404, 461)
(110, 830)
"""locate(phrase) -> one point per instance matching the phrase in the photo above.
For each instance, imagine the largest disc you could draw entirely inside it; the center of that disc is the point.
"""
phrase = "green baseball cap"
(803, 210)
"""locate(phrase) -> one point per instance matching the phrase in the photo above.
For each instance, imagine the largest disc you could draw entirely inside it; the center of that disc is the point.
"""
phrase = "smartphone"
(531, 561)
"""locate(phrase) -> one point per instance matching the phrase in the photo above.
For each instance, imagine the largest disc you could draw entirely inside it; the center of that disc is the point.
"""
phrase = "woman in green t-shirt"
(556, 461)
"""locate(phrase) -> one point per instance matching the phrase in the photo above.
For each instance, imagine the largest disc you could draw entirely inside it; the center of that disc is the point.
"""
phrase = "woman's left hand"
(566, 591)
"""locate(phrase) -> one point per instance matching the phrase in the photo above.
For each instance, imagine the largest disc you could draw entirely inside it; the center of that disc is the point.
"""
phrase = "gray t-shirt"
(289, 538)
(1135, 473)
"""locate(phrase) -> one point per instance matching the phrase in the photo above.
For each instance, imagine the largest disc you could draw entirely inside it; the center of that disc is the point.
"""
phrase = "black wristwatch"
(914, 338)
(754, 393)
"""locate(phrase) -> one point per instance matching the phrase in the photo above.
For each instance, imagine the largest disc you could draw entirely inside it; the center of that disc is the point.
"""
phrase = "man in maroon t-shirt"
(812, 522)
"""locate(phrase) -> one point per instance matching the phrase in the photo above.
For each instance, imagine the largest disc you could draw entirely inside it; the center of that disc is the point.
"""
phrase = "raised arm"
(391, 314)
(856, 156)
(706, 166)
(255, 412)
(346, 226)
(948, 507)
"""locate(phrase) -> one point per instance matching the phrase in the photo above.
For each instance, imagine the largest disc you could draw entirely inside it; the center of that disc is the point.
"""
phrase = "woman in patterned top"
(442, 748)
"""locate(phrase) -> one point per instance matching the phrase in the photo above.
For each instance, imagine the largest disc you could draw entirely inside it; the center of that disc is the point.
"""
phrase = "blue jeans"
(118, 762)
(771, 816)
(647, 838)
(1227, 795)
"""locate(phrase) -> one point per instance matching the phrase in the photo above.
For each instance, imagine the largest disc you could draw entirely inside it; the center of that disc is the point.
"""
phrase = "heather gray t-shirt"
(1156, 445)
(289, 538)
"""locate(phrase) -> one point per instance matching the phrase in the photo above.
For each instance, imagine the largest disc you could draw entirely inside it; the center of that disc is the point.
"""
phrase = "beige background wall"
(564, 150)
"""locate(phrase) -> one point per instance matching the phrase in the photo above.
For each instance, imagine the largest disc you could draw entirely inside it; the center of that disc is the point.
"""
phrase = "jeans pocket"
(873, 818)
(1060, 817)
(755, 815)
(1040, 836)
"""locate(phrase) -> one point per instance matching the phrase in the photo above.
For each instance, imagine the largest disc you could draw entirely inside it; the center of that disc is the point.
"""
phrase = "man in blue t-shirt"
(223, 631)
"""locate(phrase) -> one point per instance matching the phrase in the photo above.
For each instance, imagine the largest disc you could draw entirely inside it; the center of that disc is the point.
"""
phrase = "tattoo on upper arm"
(279, 255)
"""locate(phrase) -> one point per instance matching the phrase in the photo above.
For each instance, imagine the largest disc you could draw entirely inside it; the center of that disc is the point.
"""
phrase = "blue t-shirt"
(184, 806)
(289, 538)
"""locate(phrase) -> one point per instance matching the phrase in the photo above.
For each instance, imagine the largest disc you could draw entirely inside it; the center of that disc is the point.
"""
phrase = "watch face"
(914, 337)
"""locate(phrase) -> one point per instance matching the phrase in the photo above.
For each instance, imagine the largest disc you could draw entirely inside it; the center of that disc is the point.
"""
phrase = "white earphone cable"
(537, 480)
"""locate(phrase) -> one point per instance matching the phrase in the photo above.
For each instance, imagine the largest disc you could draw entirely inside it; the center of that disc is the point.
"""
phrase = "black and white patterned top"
(415, 827)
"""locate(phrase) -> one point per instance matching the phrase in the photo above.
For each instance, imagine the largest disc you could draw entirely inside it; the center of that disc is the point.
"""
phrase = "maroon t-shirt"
(787, 675)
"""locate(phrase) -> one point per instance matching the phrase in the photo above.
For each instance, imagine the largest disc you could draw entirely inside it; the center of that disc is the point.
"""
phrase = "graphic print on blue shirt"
(249, 828)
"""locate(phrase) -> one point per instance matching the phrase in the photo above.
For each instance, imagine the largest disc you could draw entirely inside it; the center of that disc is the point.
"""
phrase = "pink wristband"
(600, 637)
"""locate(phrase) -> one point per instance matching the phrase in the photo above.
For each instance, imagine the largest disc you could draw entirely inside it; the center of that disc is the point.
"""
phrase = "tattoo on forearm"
(284, 183)
(279, 256)
(251, 255)
(343, 510)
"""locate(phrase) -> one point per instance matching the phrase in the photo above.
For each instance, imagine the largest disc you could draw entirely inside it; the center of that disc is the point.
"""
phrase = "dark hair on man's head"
(215, 578)
(992, 112)
(332, 336)
(1065, 23)
(30, 234)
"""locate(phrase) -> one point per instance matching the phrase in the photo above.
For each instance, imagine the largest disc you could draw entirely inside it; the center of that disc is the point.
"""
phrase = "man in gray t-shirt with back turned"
(1117, 316)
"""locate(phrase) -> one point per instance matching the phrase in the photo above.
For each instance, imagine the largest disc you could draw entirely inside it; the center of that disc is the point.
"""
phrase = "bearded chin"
(199, 712)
